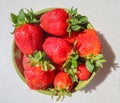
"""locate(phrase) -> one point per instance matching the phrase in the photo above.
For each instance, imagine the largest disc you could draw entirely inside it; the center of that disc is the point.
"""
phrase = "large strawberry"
(54, 22)
(27, 35)
(38, 71)
(57, 49)
(88, 43)
(63, 84)
(60, 22)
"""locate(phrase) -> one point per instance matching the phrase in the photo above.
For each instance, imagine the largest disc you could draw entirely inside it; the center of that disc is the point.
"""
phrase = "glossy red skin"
(57, 49)
(37, 78)
(54, 22)
(28, 38)
(82, 72)
(63, 81)
(88, 42)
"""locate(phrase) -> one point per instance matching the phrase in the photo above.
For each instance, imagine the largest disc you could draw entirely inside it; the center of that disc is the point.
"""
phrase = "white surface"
(105, 17)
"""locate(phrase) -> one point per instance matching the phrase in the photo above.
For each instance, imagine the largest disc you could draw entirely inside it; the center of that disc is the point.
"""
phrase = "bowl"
(17, 56)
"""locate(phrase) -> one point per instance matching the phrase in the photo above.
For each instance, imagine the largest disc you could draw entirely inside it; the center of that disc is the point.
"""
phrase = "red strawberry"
(61, 22)
(62, 85)
(63, 81)
(37, 78)
(28, 35)
(36, 74)
(82, 72)
(88, 43)
(57, 49)
(54, 22)
(28, 38)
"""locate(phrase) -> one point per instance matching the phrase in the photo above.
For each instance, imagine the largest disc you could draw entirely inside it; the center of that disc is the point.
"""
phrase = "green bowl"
(17, 61)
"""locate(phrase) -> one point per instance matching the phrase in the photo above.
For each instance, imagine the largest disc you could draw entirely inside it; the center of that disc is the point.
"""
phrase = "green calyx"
(40, 58)
(23, 17)
(94, 61)
(71, 64)
(60, 93)
(76, 21)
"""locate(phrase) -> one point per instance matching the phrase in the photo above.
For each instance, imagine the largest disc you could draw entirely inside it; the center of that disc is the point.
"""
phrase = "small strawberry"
(88, 43)
(82, 72)
(57, 49)
(62, 84)
(28, 35)
(61, 22)
(38, 71)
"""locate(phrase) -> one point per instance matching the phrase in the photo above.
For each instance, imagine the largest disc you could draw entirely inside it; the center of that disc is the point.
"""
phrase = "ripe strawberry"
(63, 81)
(37, 71)
(57, 49)
(63, 85)
(82, 72)
(61, 22)
(88, 43)
(28, 38)
(37, 78)
(28, 35)
(54, 22)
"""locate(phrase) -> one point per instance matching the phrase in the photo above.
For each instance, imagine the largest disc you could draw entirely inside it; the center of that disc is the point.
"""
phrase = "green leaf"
(74, 63)
(21, 17)
(51, 66)
(13, 18)
(24, 17)
(45, 68)
(40, 58)
(71, 64)
(95, 60)
(83, 19)
(89, 66)
(100, 62)
(76, 22)
(76, 27)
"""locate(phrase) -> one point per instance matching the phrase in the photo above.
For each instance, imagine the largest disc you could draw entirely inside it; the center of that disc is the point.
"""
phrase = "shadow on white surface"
(102, 73)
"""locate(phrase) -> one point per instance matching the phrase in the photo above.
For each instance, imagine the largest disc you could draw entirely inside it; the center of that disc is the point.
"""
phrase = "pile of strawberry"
(59, 49)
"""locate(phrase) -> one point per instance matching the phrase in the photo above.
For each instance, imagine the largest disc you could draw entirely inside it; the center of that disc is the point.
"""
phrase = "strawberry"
(37, 78)
(62, 84)
(54, 22)
(63, 81)
(88, 43)
(38, 71)
(61, 22)
(27, 35)
(82, 72)
(57, 49)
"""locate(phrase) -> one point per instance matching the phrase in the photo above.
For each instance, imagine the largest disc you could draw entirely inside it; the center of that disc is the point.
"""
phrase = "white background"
(105, 17)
